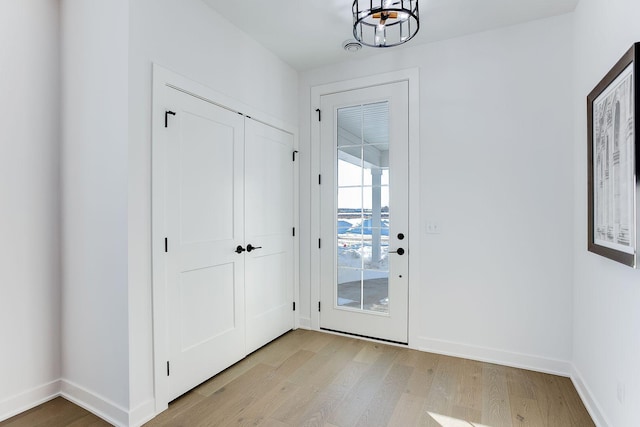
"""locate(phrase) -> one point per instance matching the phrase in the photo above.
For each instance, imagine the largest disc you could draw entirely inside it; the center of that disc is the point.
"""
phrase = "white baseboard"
(489, 355)
(95, 404)
(24, 401)
(587, 398)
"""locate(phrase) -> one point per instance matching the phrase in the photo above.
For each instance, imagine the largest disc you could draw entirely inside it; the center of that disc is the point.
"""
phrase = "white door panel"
(268, 225)
(207, 181)
(205, 283)
(269, 180)
(199, 291)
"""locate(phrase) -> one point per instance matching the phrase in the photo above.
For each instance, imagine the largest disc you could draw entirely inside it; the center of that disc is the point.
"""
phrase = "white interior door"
(204, 223)
(364, 212)
(269, 269)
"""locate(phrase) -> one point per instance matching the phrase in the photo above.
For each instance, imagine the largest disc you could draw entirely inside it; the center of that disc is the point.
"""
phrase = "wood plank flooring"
(308, 378)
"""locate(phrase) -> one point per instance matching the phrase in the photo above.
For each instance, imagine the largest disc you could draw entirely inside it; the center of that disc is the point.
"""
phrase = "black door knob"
(399, 251)
(250, 247)
(239, 249)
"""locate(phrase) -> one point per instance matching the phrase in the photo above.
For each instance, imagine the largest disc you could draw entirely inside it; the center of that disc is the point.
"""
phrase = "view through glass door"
(362, 211)
(364, 276)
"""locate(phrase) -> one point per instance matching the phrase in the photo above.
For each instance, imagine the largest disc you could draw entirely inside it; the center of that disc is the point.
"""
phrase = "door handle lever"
(240, 249)
(399, 251)
(250, 247)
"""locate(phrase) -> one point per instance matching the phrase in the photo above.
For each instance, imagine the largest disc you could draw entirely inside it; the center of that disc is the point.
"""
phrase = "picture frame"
(613, 178)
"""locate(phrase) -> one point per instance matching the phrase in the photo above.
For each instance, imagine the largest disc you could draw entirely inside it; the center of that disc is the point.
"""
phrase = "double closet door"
(229, 251)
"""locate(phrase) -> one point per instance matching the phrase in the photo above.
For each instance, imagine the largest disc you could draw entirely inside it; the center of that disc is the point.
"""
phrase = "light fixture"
(385, 23)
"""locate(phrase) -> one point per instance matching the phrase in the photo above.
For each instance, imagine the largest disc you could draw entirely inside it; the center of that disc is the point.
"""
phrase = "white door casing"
(392, 324)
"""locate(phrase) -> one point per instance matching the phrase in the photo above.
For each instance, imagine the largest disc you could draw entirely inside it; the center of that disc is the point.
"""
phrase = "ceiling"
(309, 33)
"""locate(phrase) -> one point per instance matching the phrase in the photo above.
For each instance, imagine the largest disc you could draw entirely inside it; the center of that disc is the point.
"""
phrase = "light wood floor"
(308, 378)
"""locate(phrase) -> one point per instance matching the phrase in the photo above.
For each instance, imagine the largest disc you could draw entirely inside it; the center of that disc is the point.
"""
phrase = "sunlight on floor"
(446, 421)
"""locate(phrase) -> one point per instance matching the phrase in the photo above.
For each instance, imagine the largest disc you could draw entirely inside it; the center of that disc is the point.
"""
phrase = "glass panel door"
(364, 284)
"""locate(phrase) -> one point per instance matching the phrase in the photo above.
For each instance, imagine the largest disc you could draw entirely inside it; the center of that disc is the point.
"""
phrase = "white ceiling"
(309, 33)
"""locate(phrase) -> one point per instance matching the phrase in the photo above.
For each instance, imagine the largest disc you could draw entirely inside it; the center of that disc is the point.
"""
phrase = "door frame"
(162, 78)
(412, 76)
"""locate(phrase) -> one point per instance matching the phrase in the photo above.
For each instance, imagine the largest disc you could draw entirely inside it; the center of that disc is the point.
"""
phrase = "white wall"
(496, 172)
(29, 196)
(95, 346)
(606, 344)
(189, 38)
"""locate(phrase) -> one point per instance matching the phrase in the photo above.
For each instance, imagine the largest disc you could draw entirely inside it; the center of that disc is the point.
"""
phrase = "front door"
(364, 211)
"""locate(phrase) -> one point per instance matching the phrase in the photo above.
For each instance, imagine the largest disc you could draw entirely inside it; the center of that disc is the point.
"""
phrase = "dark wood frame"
(631, 57)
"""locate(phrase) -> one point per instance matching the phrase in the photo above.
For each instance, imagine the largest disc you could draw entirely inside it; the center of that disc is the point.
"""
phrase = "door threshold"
(365, 336)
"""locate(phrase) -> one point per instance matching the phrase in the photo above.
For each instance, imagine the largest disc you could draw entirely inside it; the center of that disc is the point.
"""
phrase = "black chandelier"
(385, 23)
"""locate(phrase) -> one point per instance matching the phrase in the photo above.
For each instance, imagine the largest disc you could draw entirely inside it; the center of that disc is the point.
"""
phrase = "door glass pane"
(349, 290)
(349, 172)
(350, 127)
(363, 207)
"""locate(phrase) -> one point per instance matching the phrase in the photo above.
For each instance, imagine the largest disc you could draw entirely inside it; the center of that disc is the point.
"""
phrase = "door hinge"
(319, 179)
(166, 244)
(318, 305)
(294, 306)
(294, 232)
(319, 114)
(319, 243)
(168, 370)
(294, 154)
(166, 117)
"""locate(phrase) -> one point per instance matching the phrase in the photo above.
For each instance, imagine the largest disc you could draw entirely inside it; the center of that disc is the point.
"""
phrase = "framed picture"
(613, 162)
